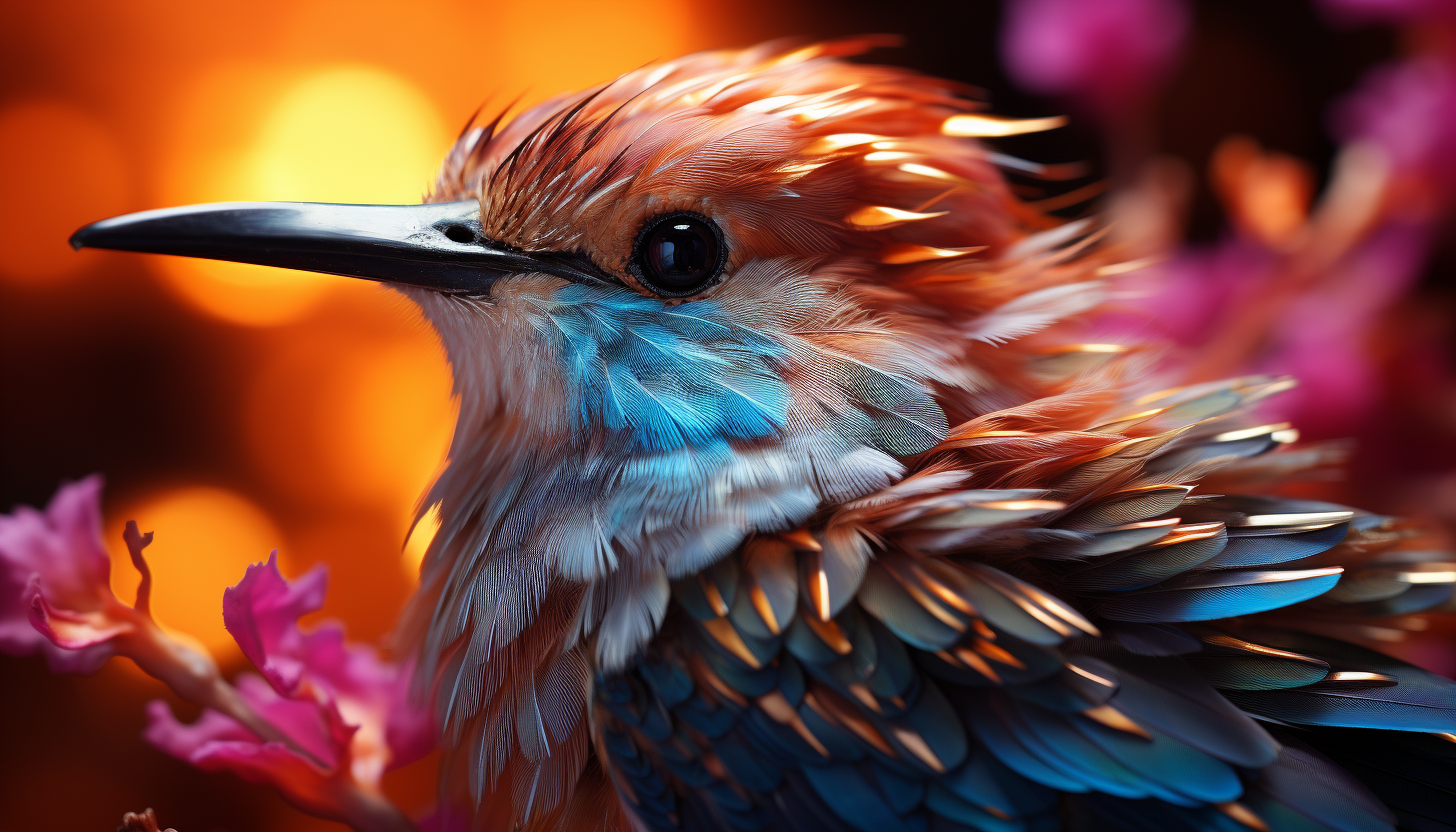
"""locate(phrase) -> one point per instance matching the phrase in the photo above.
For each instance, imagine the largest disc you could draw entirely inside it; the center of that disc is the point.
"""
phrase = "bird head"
(687, 306)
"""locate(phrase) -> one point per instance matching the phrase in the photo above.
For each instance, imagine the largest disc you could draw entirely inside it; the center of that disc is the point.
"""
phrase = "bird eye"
(679, 254)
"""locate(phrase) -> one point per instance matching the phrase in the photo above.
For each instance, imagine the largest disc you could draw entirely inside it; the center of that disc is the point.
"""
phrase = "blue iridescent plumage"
(671, 376)
(893, 724)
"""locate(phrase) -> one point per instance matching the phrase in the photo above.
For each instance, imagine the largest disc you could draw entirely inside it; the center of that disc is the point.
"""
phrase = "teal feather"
(671, 376)
(1417, 700)
(1205, 596)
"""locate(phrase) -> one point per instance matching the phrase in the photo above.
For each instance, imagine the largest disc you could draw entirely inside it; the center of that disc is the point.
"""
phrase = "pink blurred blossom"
(346, 712)
(308, 772)
(261, 613)
(1387, 11)
(1320, 295)
(1319, 336)
(323, 723)
(1408, 110)
(1109, 53)
(55, 582)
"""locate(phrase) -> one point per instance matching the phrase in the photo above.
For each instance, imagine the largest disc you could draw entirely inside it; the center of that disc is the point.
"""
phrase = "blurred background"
(236, 409)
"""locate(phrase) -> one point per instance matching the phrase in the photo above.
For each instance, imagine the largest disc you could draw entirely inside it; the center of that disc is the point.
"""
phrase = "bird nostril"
(460, 233)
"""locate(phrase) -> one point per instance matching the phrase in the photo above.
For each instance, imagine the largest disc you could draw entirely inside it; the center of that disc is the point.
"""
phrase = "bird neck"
(524, 512)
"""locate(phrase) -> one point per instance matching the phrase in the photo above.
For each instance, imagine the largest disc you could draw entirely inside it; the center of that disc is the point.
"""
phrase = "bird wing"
(1042, 620)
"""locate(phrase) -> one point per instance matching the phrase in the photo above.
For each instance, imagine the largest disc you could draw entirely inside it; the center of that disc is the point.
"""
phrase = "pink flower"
(1110, 53)
(261, 614)
(323, 723)
(55, 582)
(344, 712)
(1319, 335)
(1391, 11)
(306, 770)
(1408, 110)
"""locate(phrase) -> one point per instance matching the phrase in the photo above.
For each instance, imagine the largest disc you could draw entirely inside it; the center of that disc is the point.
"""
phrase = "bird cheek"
(525, 292)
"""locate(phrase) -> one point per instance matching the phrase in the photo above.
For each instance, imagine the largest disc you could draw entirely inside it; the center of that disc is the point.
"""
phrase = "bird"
(779, 498)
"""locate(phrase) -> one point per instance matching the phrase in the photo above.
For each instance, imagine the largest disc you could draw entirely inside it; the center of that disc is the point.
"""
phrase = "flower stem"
(195, 677)
(368, 811)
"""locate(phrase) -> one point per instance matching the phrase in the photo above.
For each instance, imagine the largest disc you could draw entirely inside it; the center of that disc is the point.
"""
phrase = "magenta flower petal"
(261, 613)
(165, 733)
(217, 743)
(69, 629)
(1109, 53)
(322, 723)
(21, 634)
(1389, 11)
(370, 692)
(62, 545)
(317, 726)
(1408, 109)
(55, 581)
(410, 732)
(69, 642)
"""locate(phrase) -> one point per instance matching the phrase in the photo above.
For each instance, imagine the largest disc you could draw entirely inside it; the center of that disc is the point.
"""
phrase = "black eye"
(679, 254)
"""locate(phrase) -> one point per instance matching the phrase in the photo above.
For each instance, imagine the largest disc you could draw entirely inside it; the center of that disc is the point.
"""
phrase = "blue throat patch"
(672, 376)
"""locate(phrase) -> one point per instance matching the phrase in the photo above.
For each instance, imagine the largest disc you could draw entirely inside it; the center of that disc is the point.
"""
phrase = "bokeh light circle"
(349, 133)
(205, 538)
(244, 294)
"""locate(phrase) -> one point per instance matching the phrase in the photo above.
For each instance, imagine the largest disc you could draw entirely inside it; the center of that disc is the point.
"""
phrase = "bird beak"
(437, 246)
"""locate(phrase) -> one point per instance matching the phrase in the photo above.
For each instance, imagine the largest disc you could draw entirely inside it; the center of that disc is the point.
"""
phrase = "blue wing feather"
(944, 693)
(1417, 701)
(1206, 596)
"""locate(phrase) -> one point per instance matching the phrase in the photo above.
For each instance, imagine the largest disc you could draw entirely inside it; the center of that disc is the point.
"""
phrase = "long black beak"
(437, 246)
